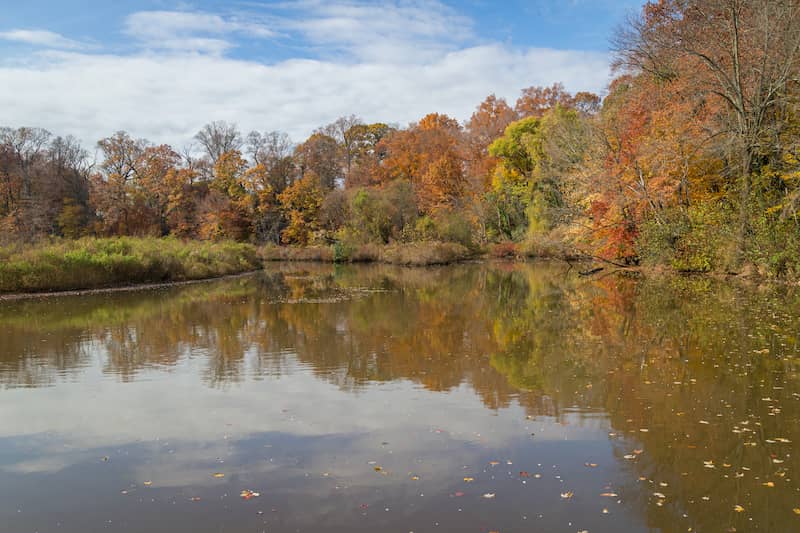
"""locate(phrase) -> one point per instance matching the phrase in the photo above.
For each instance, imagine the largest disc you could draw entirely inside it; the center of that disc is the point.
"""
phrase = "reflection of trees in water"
(665, 355)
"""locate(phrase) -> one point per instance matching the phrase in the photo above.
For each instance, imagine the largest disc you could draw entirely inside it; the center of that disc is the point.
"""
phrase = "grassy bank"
(94, 263)
(411, 254)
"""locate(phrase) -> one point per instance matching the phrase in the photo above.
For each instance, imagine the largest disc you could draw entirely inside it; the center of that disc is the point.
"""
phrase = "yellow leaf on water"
(469, 479)
(218, 475)
(738, 508)
(769, 484)
(567, 495)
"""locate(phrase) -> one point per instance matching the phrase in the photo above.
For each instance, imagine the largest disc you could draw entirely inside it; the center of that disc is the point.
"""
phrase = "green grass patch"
(95, 263)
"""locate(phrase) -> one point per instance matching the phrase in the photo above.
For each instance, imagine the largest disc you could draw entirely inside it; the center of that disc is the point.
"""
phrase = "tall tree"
(219, 137)
(744, 53)
(319, 155)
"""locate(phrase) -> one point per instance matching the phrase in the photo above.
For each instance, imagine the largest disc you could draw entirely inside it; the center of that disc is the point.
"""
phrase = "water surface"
(483, 397)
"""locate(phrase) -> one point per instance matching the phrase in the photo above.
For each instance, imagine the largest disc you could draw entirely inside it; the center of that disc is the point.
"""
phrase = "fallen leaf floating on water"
(147, 483)
(609, 495)
(469, 479)
(248, 494)
(523, 473)
(567, 495)
(377, 468)
(414, 478)
(738, 508)
(489, 495)
(590, 465)
(494, 463)
(218, 475)
(796, 510)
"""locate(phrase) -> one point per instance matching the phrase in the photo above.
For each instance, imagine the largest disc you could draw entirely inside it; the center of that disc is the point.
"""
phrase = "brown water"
(494, 397)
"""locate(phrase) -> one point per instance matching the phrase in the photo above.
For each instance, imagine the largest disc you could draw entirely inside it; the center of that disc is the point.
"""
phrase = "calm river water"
(477, 398)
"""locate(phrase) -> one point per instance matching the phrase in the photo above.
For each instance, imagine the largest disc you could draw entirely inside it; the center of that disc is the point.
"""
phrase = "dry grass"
(412, 254)
(425, 253)
(296, 253)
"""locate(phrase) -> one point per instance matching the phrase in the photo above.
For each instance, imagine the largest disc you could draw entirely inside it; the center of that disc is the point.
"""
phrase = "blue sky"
(161, 68)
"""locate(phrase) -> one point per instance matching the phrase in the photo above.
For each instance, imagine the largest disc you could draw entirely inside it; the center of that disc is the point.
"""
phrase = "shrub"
(504, 250)
(425, 253)
(698, 239)
(446, 226)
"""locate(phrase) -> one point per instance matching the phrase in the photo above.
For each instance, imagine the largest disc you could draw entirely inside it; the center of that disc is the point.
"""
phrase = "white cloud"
(189, 31)
(391, 63)
(44, 38)
(386, 31)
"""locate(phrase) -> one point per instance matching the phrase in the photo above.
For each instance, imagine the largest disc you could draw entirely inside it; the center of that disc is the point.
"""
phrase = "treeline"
(348, 180)
(692, 159)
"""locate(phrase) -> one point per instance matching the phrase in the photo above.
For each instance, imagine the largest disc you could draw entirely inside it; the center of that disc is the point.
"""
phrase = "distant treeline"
(692, 160)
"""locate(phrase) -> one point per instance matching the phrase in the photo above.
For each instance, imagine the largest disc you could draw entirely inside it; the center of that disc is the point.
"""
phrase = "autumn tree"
(273, 151)
(367, 153)
(226, 211)
(536, 101)
(428, 154)
(319, 156)
(745, 54)
(301, 203)
(24, 154)
(345, 132)
(486, 124)
(112, 188)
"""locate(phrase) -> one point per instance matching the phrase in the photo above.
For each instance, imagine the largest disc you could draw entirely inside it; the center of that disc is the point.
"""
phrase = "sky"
(160, 69)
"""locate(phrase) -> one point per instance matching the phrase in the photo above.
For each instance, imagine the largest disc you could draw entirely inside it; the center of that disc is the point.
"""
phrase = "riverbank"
(124, 264)
(89, 263)
(426, 253)
(130, 263)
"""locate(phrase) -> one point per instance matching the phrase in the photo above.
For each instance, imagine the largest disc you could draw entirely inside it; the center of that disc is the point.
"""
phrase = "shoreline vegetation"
(99, 265)
(128, 263)
(90, 263)
(689, 162)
